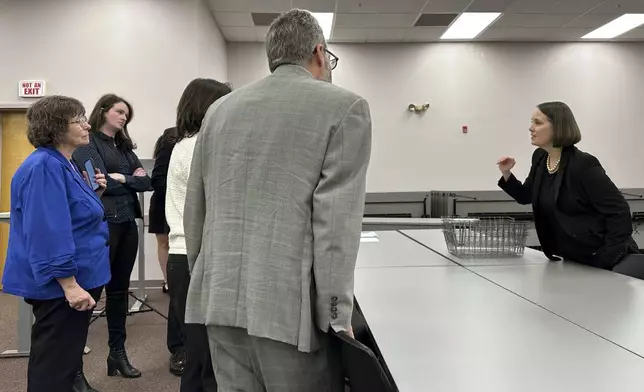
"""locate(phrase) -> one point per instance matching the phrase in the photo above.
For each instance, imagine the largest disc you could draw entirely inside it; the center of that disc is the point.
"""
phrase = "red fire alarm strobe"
(464, 128)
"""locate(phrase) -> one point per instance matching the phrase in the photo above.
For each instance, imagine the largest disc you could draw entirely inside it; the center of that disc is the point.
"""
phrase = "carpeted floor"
(146, 347)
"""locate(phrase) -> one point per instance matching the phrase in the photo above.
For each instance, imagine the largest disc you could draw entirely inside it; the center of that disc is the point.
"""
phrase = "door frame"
(10, 107)
(20, 105)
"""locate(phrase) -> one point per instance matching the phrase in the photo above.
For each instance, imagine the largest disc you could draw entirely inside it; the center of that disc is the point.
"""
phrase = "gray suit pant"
(245, 363)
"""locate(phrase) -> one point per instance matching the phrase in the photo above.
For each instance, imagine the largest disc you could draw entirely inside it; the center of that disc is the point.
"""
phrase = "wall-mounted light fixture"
(418, 108)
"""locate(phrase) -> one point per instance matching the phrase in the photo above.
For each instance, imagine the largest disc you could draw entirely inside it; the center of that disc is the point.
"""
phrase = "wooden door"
(15, 148)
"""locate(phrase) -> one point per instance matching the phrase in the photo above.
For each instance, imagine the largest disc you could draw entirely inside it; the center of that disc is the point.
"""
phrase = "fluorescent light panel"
(616, 27)
(470, 24)
(325, 19)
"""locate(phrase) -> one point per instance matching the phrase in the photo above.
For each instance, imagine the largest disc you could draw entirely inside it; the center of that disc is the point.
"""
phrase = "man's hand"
(140, 172)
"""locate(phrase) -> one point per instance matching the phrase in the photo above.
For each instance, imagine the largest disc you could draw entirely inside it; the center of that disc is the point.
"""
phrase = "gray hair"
(292, 38)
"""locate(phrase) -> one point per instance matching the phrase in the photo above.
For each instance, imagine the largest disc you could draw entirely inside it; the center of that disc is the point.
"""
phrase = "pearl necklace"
(552, 169)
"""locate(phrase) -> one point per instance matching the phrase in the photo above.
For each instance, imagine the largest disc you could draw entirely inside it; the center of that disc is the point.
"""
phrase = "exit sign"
(31, 88)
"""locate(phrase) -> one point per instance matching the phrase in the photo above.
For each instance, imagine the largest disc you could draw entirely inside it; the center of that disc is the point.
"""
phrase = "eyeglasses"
(80, 120)
(333, 59)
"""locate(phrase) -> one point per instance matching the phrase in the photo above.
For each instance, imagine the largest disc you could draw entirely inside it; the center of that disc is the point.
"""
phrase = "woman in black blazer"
(579, 213)
(111, 149)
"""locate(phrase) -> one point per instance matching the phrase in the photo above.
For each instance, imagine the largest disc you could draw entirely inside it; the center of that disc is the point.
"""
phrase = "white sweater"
(175, 198)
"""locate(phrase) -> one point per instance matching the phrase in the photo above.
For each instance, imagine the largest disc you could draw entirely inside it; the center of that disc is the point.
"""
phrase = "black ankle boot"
(81, 384)
(117, 362)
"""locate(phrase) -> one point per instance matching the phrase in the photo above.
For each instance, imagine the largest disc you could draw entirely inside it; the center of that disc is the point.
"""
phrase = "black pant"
(58, 338)
(178, 277)
(174, 337)
(198, 374)
(124, 244)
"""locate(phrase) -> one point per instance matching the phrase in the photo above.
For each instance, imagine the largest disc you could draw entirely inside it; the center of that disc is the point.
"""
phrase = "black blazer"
(157, 222)
(589, 207)
(162, 156)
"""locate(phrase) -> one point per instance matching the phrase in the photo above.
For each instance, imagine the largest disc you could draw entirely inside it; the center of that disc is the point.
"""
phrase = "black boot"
(81, 384)
(117, 362)
(178, 362)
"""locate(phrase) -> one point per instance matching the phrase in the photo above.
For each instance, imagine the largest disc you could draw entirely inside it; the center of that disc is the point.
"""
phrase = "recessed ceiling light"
(325, 19)
(616, 27)
(470, 24)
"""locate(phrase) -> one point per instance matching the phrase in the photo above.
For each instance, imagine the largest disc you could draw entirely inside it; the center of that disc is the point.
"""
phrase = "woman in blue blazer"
(58, 254)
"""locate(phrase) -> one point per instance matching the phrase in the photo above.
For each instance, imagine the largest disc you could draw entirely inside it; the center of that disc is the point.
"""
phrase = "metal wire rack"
(485, 237)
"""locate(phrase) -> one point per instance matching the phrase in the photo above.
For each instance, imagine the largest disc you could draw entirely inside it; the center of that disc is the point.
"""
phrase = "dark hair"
(49, 118)
(565, 129)
(194, 102)
(165, 139)
(97, 119)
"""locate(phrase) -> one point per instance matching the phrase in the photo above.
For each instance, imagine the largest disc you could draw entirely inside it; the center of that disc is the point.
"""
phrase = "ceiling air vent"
(435, 20)
(261, 19)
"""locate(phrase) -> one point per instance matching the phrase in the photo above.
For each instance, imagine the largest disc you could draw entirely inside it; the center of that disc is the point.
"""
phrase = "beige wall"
(144, 50)
(493, 89)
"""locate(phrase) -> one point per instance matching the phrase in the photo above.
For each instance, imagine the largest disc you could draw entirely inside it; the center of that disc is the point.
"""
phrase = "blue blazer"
(57, 229)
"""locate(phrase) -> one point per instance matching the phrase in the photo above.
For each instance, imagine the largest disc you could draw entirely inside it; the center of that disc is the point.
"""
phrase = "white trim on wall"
(15, 105)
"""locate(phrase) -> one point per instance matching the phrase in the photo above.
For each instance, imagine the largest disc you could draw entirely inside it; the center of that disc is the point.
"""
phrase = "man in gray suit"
(273, 217)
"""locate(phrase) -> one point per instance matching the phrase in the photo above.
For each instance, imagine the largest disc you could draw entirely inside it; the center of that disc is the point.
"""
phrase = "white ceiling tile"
(423, 34)
(619, 7)
(635, 34)
(277, 6)
(566, 34)
(380, 6)
(229, 5)
(250, 5)
(489, 5)
(260, 33)
(341, 34)
(234, 19)
(385, 35)
(375, 20)
(531, 6)
(592, 20)
(533, 34)
(314, 5)
(446, 6)
(534, 20)
(237, 34)
(575, 6)
(512, 34)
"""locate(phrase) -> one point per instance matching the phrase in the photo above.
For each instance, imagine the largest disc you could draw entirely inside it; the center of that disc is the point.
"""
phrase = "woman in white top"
(196, 99)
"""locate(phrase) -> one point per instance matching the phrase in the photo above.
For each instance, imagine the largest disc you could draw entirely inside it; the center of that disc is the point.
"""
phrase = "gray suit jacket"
(274, 208)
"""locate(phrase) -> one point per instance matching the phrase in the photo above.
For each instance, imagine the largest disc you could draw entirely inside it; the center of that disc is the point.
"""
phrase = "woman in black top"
(111, 150)
(157, 224)
(579, 213)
